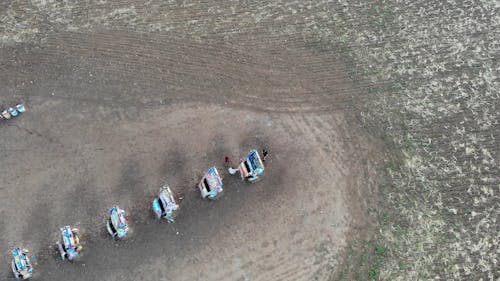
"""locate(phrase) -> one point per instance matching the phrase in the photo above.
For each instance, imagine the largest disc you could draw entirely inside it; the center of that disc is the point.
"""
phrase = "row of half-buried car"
(13, 111)
(165, 206)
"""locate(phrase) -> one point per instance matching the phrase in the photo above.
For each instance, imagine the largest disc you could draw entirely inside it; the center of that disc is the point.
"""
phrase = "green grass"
(363, 260)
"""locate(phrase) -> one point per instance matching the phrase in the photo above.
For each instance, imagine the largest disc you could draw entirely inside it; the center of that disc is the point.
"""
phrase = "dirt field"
(115, 108)
(381, 118)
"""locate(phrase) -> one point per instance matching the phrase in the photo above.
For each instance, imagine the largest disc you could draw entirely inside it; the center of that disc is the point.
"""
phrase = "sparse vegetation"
(363, 261)
(432, 69)
(436, 102)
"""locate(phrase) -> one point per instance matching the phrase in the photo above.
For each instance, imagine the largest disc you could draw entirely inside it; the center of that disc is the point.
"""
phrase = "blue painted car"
(21, 265)
(69, 246)
(20, 108)
(165, 206)
(211, 184)
(251, 167)
(117, 224)
(13, 111)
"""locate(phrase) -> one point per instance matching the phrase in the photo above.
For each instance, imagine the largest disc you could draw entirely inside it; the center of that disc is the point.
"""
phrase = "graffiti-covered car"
(117, 223)
(69, 245)
(211, 184)
(21, 265)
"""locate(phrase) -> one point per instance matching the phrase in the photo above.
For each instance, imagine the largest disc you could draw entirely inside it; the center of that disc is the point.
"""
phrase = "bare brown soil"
(111, 115)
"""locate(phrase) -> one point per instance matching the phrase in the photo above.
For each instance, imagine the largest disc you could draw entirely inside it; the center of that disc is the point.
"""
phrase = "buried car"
(20, 108)
(69, 246)
(211, 184)
(251, 167)
(21, 265)
(12, 112)
(117, 224)
(6, 114)
(165, 206)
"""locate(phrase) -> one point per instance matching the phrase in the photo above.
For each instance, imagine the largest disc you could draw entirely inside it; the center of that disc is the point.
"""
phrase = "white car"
(211, 184)
(251, 167)
(117, 224)
(165, 206)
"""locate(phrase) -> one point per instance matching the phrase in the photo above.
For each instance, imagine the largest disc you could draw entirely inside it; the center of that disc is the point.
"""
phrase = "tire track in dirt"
(294, 255)
(291, 258)
(292, 80)
(123, 78)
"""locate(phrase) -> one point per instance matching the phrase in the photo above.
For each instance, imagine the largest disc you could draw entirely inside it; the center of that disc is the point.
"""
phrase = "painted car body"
(69, 246)
(21, 265)
(117, 224)
(211, 184)
(165, 206)
(251, 167)
(6, 115)
(20, 108)
(13, 111)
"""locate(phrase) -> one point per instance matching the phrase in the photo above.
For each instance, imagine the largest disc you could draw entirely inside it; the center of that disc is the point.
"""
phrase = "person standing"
(264, 154)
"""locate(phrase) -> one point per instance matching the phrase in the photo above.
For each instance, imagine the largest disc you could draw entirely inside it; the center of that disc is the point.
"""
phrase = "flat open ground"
(114, 113)
(381, 118)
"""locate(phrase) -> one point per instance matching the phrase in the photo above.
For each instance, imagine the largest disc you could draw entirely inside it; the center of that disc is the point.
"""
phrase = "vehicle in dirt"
(211, 184)
(117, 224)
(20, 108)
(251, 167)
(69, 246)
(12, 112)
(21, 265)
(6, 114)
(165, 206)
